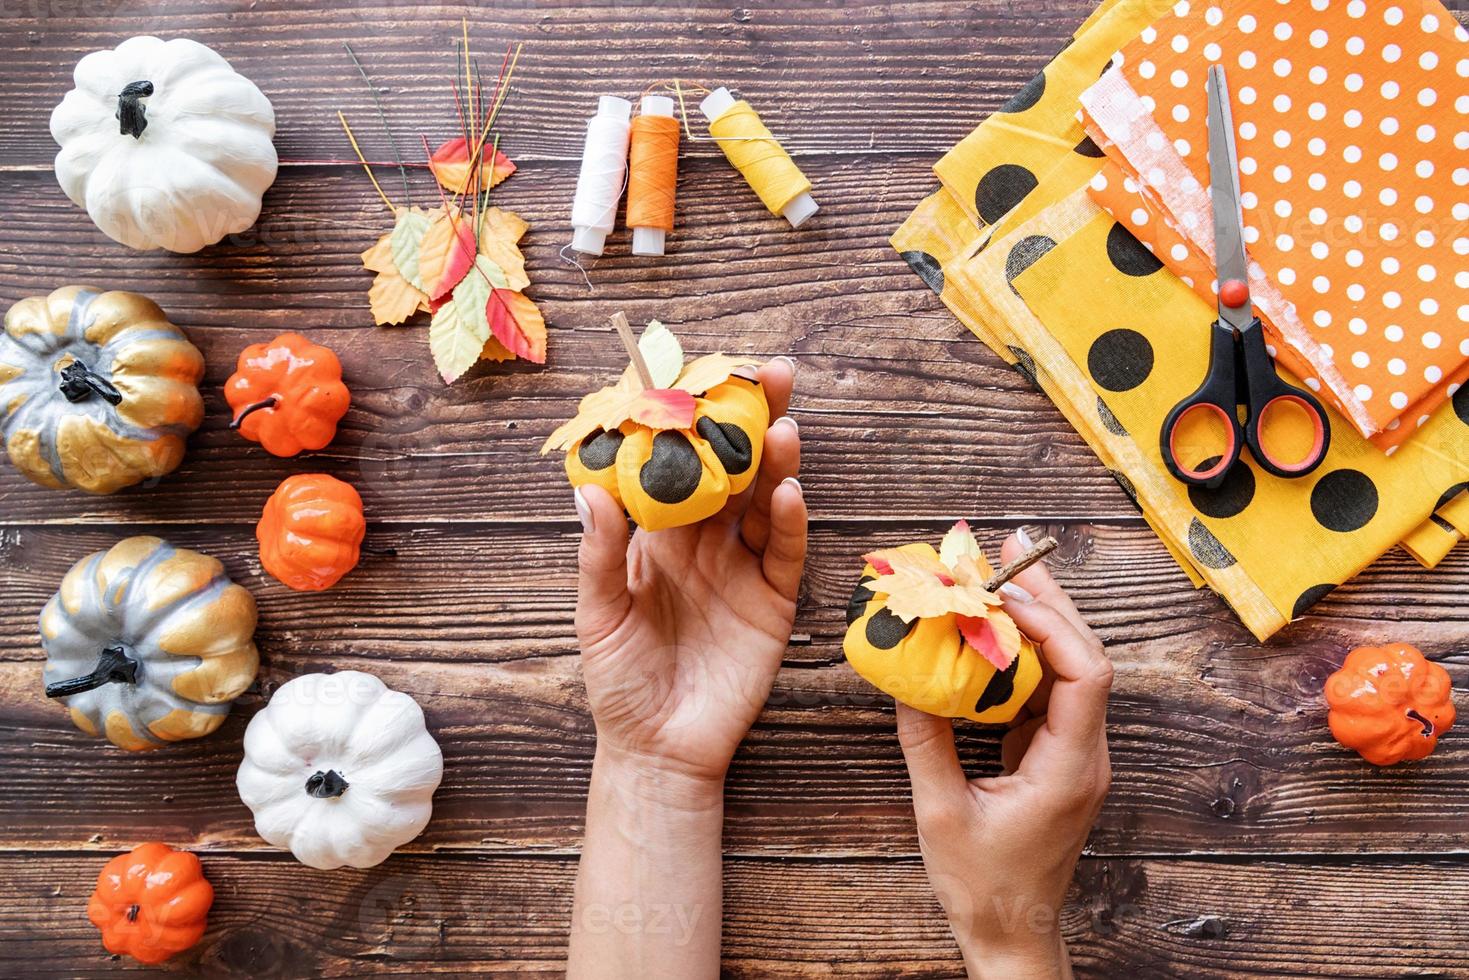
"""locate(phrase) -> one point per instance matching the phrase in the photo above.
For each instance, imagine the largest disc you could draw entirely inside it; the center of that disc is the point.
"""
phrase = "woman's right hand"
(1000, 852)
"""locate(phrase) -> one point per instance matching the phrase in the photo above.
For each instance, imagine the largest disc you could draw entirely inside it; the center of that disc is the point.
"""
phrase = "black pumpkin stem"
(113, 667)
(132, 117)
(1011, 569)
(133, 911)
(250, 410)
(79, 382)
(326, 785)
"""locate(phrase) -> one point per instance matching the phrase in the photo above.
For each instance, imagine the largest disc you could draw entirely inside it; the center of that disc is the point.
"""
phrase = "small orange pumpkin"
(1389, 703)
(287, 395)
(151, 902)
(311, 531)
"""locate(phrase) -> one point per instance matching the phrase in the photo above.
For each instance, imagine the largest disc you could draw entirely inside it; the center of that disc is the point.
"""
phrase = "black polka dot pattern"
(927, 267)
(1344, 500)
(1109, 421)
(1229, 498)
(1088, 148)
(1309, 598)
(861, 596)
(673, 470)
(1448, 495)
(1025, 366)
(1130, 256)
(885, 630)
(1120, 360)
(1001, 189)
(1461, 403)
(1024, 254)
(730, 444)
(599, 450)
(1206, 548)
(1000, 689)
(1028, 96)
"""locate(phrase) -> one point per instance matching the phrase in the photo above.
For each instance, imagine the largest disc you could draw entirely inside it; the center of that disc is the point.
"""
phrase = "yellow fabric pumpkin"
(926, 663)
(672, 454)
(98, 390)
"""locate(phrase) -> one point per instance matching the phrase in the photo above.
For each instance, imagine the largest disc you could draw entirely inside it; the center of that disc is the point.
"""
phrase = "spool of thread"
(652, 174)
(758, 156)
(603, 167)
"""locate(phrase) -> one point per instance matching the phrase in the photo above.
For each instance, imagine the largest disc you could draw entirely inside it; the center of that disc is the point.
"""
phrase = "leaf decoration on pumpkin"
(458, 332)
(662, 353)
(670, 407)
(406, 238)
(921, 585)
(517, 324)
(446, 253)
(451, 167)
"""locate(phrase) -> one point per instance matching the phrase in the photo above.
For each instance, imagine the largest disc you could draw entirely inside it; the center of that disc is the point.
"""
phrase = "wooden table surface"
(1238, 838)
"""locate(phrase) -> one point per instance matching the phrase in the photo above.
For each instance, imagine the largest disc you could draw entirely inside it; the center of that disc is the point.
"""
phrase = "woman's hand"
(1000, 852)
(682, 631)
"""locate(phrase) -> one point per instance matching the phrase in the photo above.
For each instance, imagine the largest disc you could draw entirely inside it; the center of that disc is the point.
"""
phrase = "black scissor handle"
(1217, 395)
(1265, 389)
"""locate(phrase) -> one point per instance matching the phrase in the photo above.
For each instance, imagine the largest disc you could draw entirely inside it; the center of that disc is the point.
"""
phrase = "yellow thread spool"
(759, 157)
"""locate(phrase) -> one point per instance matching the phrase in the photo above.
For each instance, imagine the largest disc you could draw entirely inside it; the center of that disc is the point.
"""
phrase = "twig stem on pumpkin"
(1011, 569)
(619, 321)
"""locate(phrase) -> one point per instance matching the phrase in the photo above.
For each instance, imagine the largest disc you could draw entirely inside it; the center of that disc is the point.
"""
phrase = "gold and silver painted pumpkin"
(98, 390)
(148, 644)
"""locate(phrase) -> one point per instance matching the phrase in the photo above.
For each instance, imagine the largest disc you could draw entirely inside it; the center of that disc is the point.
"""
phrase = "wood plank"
(501, 914)
(1218, 744)
(903, 411)
(828, 78)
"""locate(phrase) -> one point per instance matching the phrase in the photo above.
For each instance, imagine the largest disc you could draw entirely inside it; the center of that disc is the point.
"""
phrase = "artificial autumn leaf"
(458, 331)
(959, 541)
(517, 324)
(451, 166)
(498, 234)
(446, 253)
(405, 240)
(710, 370)
(495, 351)
(664, 408)
(995, 637)
(662, 353)
(392, 298)
(379, 258)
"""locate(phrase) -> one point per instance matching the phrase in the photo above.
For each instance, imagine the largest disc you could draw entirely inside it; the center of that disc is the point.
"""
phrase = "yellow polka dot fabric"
(978, 268)
(1352, 126)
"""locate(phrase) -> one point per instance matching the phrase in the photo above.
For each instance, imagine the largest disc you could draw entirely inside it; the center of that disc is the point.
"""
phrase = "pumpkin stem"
(1011, 569)
(132, 118)
(249, 410)
(133, 911)
(1427, 723)
(624, 332)
(326, 785)
(113, 667)
(79, 382)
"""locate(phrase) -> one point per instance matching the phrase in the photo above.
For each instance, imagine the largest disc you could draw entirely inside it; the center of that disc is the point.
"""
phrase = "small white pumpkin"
(164, 144)
(340, 769)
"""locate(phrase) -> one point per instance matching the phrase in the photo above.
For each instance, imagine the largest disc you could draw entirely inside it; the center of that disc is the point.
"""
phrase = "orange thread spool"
(652, 174)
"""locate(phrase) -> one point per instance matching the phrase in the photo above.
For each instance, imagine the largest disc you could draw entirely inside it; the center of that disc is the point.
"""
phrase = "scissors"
(1241, 371)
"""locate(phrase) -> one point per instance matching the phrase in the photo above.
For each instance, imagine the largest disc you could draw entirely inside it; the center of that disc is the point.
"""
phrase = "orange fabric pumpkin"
(151, 902)
(287, 395)
(311, 531)
(1389, 703)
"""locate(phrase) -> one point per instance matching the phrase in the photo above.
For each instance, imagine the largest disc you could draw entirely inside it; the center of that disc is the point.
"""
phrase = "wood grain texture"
(455, 915)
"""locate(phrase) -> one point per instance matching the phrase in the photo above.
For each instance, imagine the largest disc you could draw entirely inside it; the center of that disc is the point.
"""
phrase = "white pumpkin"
(339, 769)
(164, 144)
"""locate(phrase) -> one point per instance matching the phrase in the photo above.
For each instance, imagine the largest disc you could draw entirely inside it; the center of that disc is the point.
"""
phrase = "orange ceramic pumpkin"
(287, 395)
(151, 902)
(1389, 703)
(311, 531)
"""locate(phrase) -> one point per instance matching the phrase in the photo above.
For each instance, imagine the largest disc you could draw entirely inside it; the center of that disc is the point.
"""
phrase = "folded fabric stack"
(1018, 246)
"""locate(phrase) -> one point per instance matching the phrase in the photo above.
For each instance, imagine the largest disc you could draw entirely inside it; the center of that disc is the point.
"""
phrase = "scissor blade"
(1224, 194)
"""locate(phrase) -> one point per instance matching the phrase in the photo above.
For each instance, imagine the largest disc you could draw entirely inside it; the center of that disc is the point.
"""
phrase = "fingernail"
(1012, 591)
(582, 510)
(787, 420)
(791, 361)
(1024, 538)
(795, 483)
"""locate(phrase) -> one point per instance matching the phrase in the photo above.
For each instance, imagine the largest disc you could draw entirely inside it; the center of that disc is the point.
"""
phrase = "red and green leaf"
(452, 167)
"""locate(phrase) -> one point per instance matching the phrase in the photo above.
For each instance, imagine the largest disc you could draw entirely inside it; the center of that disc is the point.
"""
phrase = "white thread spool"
(603, 170)
(716, 104)
(649, 241)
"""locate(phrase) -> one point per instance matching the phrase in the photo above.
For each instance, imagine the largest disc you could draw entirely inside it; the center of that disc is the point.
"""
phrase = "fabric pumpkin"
(339, 769)
(287, 395)
(164, 144)
(1389, 703)
(311, 531)
(151, 903)
(673, 452)
(148, 644)
(926, 662)
(98, 391)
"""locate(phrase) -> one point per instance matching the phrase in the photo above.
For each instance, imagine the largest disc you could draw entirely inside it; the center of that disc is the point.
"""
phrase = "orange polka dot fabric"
(1352, 126)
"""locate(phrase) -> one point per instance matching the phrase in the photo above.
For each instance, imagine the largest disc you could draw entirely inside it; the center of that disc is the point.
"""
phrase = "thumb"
(601, 589)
